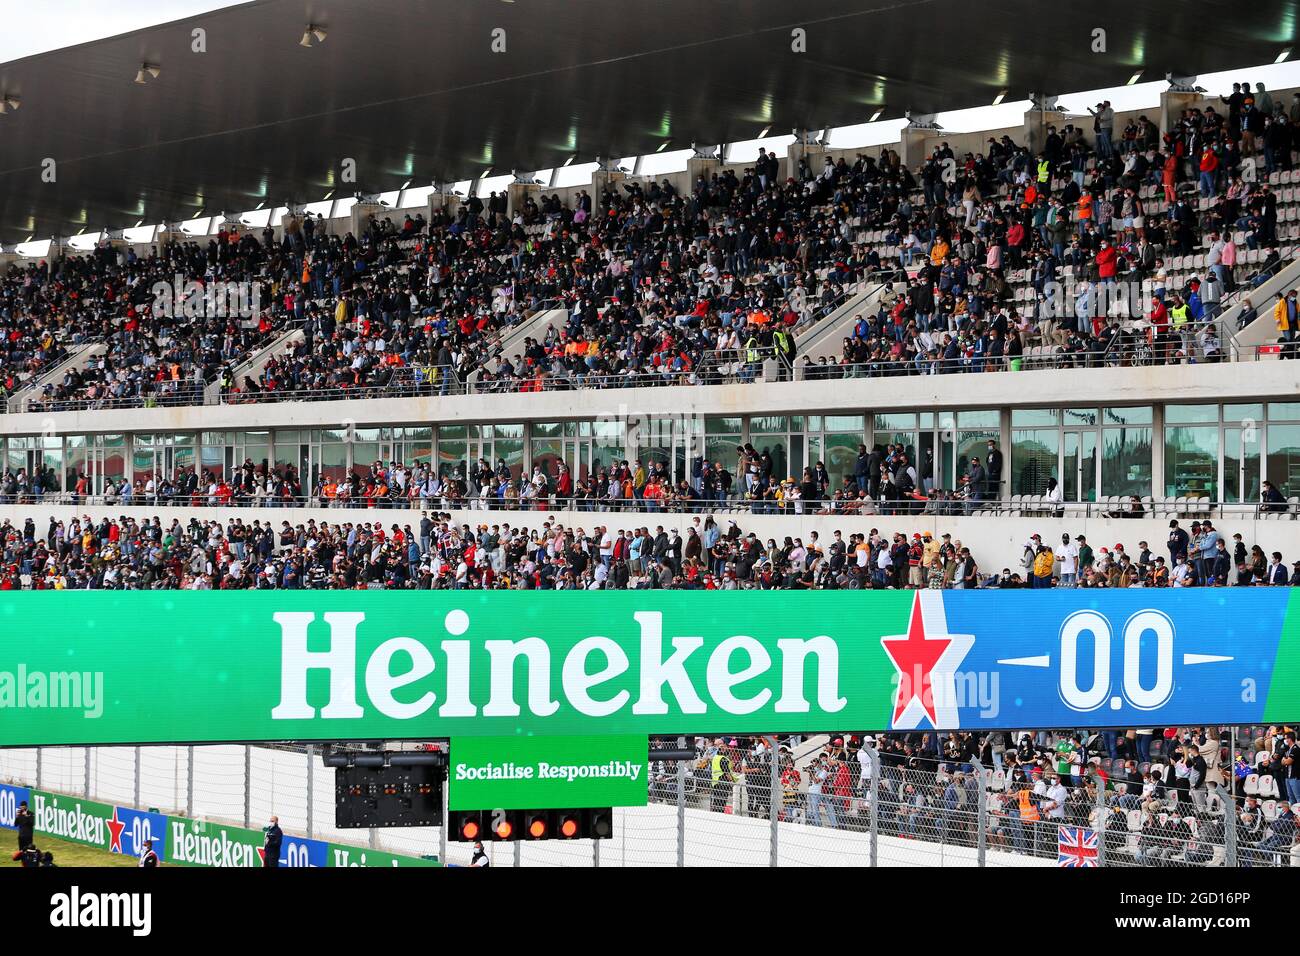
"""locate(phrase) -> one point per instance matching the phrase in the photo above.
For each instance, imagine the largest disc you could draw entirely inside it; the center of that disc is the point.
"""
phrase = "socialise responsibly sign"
(180, 840)
(156, 667)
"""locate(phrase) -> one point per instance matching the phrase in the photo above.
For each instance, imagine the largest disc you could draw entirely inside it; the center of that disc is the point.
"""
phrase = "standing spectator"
(25, 824)
(274, 838)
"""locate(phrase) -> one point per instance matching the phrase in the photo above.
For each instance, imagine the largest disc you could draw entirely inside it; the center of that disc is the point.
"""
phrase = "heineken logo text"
(737, 676)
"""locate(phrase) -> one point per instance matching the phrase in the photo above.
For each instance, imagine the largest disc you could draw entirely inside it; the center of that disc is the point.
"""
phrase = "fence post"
(1230, 804)
(442, 830)
(874, 807)
(311, 791)
(136, 792)
(981, 814)
(773, 801)
(1103, 822)
(40, 766)
(86, 788)
(248, 785)
(681, 806)
(189, 781)
(595, 852)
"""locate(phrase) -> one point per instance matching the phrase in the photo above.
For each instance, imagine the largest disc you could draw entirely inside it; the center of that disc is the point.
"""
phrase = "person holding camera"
(25, 824)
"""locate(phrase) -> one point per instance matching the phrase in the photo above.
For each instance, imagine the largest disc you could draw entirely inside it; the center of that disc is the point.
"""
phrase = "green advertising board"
(183, 841)
(543, 773)
(131, 667)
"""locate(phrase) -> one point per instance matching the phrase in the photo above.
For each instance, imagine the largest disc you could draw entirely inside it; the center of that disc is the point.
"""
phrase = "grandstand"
(676, 370)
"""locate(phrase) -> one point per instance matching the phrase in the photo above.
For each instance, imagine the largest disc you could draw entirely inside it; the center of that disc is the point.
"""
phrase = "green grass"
(66, 854)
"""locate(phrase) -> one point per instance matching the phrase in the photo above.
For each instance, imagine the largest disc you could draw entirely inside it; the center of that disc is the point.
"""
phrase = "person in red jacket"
(1106, 262)
(1209, 171)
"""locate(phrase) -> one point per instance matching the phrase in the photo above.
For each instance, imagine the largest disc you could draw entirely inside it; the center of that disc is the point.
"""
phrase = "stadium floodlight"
(147, 71)
(312, 31)
(9, 103)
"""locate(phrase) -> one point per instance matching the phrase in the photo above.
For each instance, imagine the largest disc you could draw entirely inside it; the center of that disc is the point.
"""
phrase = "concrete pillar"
(518, 194)
(1036, 123)
(1172, 104)
(804, 148)
(361, 212)
(701, 166)
(604, 178)
(911, 146)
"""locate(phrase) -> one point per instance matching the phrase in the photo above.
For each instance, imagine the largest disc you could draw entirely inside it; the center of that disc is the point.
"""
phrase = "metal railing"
(958, 504)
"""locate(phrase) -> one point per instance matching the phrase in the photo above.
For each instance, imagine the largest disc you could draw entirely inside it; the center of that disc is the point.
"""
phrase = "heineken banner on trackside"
(178, 840)
(119, 667)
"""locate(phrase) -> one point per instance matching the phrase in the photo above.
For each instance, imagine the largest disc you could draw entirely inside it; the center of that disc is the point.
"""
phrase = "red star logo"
(115, 828)
(261, 854)
(915, 655)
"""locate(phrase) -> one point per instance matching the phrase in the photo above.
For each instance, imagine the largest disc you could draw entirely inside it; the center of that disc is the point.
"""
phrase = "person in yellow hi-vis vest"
(721, 776)
(1179, 318)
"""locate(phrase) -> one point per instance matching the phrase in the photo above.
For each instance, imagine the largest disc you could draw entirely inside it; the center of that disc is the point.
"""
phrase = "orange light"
(569, 827)
(470, 830)
(505, 829)
(537, 829)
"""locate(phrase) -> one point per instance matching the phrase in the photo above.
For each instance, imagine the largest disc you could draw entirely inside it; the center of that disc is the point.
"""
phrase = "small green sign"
(544, 773)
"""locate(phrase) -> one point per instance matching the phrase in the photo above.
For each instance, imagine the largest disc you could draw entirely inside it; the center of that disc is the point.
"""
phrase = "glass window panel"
(548, 453)
(814, 423)
(983, 418)
(366, 434)
(331, 461)
(927, 419)
(721, 449)
(1192, 462)
(1126, 461)
(507, 431)
(452, 432)
(1035, 416)
(1080, 416)
(512, 451)
(844, 423)
(778, 448)
(1138, 415)
(1284, 411)
(1190, 414)
(972, 443)
(767, 424)
(722, 426)
(546, 430)
(1236, 414)
(606, 429)
(451, 456)
(366, 453)
(1034, 459)
(1283, 463)
(212, 457)
(1241, 463)
(840, 456)
(896, 422)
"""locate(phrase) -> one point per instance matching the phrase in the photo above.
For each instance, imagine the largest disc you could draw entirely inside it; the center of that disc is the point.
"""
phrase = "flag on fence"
(1076, 846)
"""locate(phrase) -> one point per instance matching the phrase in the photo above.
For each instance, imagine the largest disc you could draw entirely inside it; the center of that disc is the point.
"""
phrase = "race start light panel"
(388, 796)
(505, 826)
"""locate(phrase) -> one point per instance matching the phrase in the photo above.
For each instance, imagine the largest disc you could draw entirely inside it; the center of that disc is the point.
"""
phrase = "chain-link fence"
(765, 801)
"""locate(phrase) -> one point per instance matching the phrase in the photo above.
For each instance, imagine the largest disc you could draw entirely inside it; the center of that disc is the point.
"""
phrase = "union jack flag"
(1076, 846)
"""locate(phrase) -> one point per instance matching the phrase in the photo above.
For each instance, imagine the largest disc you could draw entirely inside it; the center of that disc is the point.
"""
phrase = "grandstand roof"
(411, 91)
